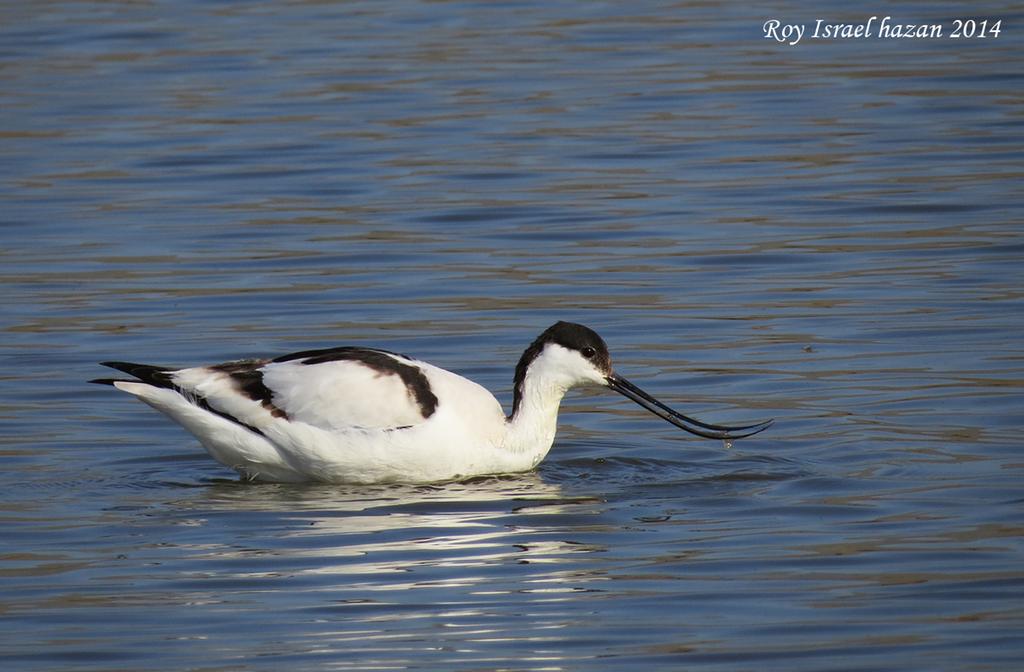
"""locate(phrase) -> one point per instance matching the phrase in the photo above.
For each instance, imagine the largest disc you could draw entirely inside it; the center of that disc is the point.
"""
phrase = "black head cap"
(569, 335)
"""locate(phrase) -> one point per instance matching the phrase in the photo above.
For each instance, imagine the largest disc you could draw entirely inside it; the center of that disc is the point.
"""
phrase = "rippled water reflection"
(827, 234)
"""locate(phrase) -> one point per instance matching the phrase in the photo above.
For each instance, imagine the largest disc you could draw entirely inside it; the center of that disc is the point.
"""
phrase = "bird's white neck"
(531, 428)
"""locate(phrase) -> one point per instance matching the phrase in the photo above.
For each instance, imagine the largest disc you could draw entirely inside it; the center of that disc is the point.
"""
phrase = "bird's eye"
(588, 352)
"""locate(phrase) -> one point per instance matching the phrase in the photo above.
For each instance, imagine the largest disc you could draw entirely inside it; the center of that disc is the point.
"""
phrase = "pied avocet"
(361, 415)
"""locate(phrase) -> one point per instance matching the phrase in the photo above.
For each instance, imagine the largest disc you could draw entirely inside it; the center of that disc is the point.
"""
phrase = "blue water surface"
(827, 233)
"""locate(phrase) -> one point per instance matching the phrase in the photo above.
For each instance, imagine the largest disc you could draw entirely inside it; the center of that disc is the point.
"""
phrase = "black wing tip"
(129, 367)
(106, 381)
(147, 373)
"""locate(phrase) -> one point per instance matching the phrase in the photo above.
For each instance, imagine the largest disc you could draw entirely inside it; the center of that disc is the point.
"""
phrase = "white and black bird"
(361, 415)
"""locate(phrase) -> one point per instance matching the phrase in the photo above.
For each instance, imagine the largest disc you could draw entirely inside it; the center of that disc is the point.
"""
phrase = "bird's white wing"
(333, 389)
(352, 388)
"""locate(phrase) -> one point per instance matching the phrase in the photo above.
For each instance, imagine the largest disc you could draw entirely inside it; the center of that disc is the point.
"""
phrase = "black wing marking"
(247, 376)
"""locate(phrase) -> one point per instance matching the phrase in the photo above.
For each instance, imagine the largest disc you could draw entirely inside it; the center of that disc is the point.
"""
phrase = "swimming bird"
(361, 415)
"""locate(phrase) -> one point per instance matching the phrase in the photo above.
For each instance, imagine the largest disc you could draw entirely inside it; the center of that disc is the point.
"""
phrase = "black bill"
(631, 391)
